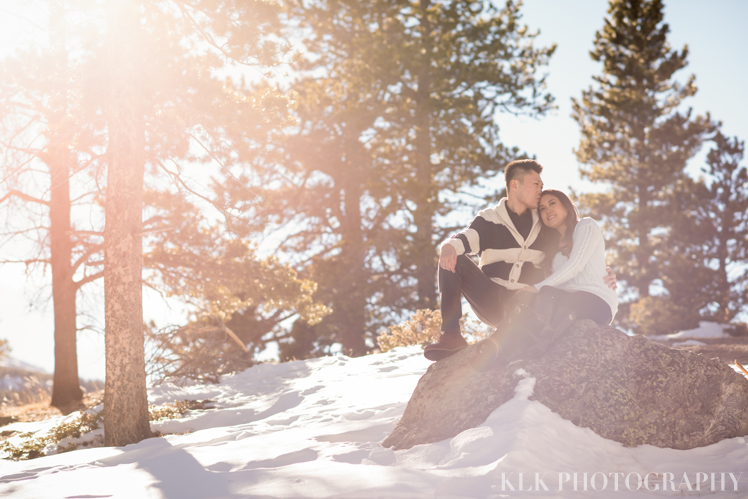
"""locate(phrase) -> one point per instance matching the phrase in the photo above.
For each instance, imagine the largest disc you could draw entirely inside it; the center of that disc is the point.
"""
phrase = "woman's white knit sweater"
(584, 269)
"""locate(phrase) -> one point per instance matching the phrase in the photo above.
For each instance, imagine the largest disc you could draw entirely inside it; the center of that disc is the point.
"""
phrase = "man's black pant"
(488, 300)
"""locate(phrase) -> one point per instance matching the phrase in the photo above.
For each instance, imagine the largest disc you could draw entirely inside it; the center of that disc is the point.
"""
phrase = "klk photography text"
(619, 481)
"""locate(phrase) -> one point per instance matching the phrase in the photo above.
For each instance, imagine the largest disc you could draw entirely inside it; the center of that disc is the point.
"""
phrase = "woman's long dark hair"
(572, 217)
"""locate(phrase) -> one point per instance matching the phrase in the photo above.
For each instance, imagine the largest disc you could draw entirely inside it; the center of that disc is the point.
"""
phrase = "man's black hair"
(519, 168)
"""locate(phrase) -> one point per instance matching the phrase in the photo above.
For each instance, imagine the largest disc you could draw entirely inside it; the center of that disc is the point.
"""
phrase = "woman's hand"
(529, 289)
(610, 279)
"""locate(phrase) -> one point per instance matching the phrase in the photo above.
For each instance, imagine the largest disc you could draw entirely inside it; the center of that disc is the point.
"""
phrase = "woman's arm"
(587, 235)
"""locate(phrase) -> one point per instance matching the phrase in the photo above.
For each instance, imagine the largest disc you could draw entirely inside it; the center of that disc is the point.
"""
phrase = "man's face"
(528, 190)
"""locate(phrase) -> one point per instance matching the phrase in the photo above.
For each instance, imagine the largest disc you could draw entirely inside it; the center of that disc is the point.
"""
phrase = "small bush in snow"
(659, 315)
(66, 436)
(31, 447)
(423, 328)
(737, 329)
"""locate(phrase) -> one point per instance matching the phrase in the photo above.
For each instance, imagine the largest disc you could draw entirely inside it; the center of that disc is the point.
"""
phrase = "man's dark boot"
(509, 338)
(448, 344)
(486, 353)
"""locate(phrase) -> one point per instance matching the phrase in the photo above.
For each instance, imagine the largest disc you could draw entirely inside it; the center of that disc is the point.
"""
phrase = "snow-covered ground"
(311, 429)
(711, 330)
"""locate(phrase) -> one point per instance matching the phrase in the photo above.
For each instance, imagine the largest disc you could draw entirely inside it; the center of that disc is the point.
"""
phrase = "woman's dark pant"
(488, 300)
(584, 305)
(547, 316)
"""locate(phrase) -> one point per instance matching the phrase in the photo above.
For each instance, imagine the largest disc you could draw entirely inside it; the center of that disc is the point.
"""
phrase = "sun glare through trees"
(283, 172)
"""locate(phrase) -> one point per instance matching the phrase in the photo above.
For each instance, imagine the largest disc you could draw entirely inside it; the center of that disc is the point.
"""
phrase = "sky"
(714, 33)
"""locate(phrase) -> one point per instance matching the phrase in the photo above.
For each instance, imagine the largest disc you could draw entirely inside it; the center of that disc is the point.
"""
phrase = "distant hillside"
(22, 383)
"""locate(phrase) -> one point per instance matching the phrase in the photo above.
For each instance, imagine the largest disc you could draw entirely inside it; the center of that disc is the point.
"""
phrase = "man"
(511, 243)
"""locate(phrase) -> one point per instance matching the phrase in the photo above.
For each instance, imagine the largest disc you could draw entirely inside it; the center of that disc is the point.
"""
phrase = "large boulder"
(624, 388)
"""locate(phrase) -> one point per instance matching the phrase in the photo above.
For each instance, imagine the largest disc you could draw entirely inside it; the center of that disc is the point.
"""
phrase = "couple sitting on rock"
(541, 268)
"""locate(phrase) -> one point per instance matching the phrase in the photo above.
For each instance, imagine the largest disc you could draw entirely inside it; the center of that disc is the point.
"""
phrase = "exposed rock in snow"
(623, 388)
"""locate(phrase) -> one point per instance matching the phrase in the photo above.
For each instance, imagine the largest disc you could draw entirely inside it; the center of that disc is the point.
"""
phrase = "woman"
(579, 263)
(573, 290)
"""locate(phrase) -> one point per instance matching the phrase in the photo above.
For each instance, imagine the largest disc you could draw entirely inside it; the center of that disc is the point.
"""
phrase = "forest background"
(714, 37)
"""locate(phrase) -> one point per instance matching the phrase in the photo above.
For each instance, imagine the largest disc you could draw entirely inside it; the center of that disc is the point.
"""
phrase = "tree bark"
(723, 314)
(423, 247)
(125, 396)
(353, 253)
(66, 388)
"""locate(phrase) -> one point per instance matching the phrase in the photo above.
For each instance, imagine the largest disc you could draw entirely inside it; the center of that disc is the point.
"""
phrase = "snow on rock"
(625, 388)
(688, 343)
(312, 429)
(705, 330)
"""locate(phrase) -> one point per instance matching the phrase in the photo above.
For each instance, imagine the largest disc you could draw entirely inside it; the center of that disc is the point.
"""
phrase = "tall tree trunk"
(424, 252)
(723, 283)
(125, 396)
(644, 252)
(353, 253)
(66, 388)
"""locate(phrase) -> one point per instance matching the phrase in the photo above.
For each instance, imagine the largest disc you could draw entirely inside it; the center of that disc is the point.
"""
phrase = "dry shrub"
(737, 329)
(422, 328)
(655, 315)
(176, 409)
(202, 351)
(30, 446)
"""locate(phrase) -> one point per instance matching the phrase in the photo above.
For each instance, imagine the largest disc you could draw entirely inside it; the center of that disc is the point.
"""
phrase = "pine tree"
(397, 115)
(328, 171)
(721, 219)
(636, 140)
(43, 96)
(193, 116)
(219, 277)
(728, 212)
(459, 65)
(125, 395)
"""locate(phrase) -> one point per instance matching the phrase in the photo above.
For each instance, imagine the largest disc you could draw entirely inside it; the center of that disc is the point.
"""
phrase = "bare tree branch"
(24, 196)
(83, 233)
(27, 262)
(87, 279)
(84, 257)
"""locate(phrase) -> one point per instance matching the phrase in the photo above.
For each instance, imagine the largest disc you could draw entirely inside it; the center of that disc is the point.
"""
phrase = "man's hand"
(448, 257)
(610, 279)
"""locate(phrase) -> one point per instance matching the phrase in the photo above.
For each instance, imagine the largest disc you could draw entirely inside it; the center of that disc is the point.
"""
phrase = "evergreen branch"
(209, 38)
(208, 150)
(177, 177)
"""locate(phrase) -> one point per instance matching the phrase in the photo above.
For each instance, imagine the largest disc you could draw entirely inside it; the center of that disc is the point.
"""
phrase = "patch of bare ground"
(40, 411)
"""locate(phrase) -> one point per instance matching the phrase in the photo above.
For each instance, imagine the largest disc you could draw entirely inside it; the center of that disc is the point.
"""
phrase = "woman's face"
(552, 212)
